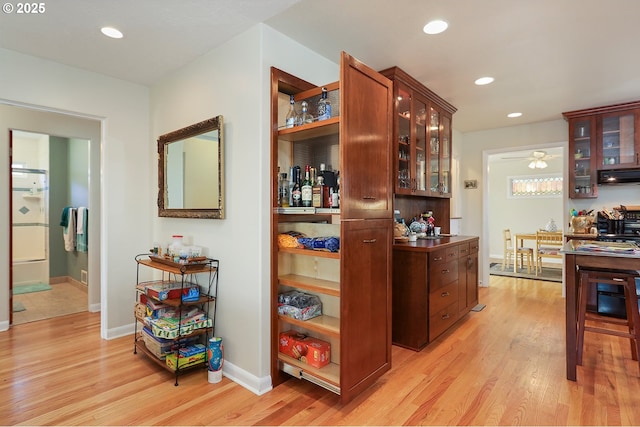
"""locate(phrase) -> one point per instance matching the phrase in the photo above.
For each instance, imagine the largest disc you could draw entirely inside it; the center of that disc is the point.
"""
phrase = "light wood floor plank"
(504, 365)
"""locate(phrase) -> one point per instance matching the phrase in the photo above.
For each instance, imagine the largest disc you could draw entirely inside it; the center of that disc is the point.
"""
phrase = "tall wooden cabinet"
(354, 283)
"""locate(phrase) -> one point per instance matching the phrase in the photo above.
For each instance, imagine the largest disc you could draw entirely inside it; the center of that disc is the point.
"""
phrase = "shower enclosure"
(30, 226)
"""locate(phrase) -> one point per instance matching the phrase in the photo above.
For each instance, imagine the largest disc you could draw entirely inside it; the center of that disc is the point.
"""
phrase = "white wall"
(471, 205)
(124, 171)
(525, 215)
(234, 81)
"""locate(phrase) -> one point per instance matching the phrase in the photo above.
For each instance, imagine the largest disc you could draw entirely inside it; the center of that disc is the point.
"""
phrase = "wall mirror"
(191, 171)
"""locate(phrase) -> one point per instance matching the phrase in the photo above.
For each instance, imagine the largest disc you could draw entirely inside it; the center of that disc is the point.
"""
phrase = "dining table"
(589, 254)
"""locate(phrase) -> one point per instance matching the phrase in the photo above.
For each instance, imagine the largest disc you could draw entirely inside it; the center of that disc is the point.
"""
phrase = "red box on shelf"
(309, 350)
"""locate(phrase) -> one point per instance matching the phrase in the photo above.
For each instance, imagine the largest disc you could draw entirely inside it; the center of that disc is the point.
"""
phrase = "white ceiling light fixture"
(514, 115)
(484, 81)
(537, 164)
(111, 32)
(436, 26)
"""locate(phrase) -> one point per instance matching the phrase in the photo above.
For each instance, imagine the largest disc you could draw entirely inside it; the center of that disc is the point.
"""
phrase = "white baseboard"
(256, 385)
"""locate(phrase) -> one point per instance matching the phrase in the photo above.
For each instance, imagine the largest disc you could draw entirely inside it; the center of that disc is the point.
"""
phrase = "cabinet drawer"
(441, 298)
(441, 320)
(442, 274)
(437, 257)
(474, 247)
(463, 250)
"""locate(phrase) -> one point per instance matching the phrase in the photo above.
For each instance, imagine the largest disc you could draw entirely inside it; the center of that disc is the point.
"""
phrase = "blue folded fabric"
(64, 220)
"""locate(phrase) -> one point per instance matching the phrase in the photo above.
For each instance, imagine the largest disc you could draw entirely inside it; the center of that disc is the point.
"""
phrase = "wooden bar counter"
(435, 283)
(578, 255)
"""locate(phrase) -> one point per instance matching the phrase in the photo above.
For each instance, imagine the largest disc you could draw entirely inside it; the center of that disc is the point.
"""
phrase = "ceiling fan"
(537, 159)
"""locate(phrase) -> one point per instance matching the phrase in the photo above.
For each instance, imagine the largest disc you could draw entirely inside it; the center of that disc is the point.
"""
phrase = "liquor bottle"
(278, 200)
(290, 119)
(324, 106)
(292, 181)
(296, 192)
(305, 116)
(284, 191)
(307, 189)
(318, 193)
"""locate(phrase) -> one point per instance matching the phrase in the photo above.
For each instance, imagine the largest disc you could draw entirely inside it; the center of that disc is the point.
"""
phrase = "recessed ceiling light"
(111, 32)
(484, 81)
(512, 115)
(435, 27)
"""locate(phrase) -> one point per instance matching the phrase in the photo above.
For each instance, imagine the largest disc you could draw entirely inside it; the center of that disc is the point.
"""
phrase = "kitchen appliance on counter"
(609, 299)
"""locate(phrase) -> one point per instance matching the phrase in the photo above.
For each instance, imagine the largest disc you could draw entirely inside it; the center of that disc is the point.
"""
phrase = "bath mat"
(18, 306)
(35, 287)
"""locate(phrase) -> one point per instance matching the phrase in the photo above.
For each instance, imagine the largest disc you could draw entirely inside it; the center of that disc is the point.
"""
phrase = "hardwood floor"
(504, 365)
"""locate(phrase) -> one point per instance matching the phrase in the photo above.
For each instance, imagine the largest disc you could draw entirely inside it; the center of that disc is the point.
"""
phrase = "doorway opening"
(527, 211)
(48, 174)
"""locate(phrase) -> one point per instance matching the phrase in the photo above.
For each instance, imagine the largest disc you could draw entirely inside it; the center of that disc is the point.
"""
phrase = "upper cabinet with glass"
(422, 138)
(582, 158)
(191, 171)
(618, 140)
(601, 138)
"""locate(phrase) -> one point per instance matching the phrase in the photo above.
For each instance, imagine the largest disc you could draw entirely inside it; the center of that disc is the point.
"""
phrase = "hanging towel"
(82, 230)
(64, 220)
(69, 232)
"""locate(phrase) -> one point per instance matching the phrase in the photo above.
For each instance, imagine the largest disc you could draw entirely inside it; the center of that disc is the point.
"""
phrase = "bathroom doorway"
(63, 127)
(49, 178)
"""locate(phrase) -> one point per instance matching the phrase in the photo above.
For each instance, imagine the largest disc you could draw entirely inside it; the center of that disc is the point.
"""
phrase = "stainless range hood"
(618, 176)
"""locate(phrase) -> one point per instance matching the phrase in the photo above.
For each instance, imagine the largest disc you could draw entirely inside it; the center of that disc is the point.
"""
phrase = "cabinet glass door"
(581, 146)
(404, 142)
(434, 150)
(445, 164)
(618, 141)
(421, 144)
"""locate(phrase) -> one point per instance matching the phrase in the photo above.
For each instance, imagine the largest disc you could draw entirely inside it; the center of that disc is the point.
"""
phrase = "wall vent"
(83, 276)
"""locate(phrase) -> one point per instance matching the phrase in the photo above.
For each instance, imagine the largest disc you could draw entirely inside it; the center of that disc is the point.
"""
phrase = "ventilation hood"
(619, 176)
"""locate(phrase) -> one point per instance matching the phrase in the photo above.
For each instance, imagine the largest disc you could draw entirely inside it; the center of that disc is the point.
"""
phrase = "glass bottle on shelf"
(290, 119)
(306, 190)
(305, 116)
(296, 193)
(284, 190)
(324, 106)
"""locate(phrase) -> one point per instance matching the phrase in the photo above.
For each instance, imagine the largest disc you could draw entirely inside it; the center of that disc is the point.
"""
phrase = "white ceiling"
(547, 56)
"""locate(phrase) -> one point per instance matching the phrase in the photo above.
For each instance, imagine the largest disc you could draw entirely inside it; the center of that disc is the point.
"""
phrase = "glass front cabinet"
(601, 138)
(422, 138)
(582, 157)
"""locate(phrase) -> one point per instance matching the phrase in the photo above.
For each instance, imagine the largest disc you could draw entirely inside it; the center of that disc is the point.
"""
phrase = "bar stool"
(626, 279)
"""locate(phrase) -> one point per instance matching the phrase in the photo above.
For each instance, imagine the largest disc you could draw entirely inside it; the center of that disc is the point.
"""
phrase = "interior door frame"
(484, 241)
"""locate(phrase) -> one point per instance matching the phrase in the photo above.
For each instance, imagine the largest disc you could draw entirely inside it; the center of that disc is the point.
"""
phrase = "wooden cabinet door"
(365, 300)
(618, 140)
(410, 325)
(365, 141)
(582, 158)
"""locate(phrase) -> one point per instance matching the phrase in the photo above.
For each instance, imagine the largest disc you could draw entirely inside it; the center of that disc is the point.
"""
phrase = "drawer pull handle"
(445, 294)
(437, 258)
(617, 279)
(445, 271)
(445, 316)
(368, 198)
(369, 241)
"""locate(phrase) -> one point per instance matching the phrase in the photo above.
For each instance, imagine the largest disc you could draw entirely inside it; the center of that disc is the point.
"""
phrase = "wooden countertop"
(432, 244)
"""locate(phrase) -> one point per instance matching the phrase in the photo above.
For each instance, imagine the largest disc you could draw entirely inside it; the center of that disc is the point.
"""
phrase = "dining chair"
(548, 245)
(520, 251)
